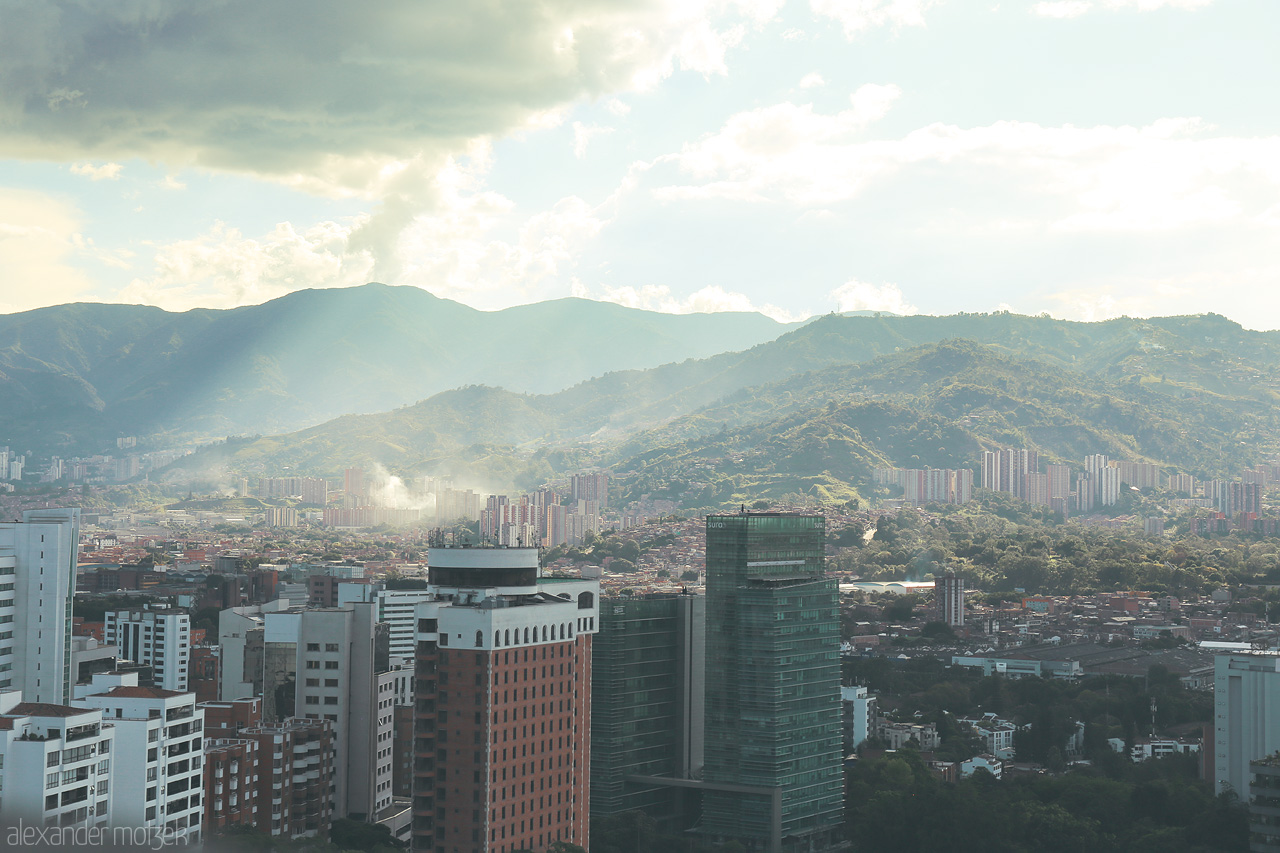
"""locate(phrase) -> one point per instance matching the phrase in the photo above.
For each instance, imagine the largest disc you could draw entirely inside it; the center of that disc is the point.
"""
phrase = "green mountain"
(75, 376)
(818, 408)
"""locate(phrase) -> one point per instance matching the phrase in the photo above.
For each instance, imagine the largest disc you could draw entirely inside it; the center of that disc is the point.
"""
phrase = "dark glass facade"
(773, 756)
(647, 705)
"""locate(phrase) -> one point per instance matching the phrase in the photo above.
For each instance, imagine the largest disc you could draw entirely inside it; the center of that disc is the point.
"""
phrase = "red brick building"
(230, 784)
(295, 777)
(503, 704)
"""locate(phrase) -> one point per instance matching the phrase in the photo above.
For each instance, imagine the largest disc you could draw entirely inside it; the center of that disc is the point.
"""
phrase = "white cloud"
(224, 269)
(39, 242)
(812, 80)
(617, 106)
(582, 135)
(710, 299)
(1171, 174)
(857, 295)
(787, 148)
(1076, 8)
(1062, 8)
(857, 16)
(105, 172)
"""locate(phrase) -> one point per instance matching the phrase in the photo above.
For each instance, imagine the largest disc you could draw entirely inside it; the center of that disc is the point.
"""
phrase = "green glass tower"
(647, 707)
(773, 766)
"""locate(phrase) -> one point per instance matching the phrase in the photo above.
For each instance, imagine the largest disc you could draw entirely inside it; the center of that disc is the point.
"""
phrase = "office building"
(647, 707)
(1246, 698)
(37, 581)
(55, 764)
(503, 720)
(772, 771)
(159, 755)
(160, 639)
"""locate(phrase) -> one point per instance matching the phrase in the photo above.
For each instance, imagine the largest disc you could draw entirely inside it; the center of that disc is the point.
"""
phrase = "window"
(331, 682)
(330, 647)
(313, 682)
(313, 647)
(331, 700)
(313, 664)
(331, 664)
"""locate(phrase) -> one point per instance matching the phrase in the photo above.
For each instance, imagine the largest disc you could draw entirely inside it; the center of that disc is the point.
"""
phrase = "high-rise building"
(1246, 698)
(1059, 481)
(950, 595)
(1038, 491)
(647, 706)
(160, 639)
(503, 720)
(993, 474)
(1109, 485)
(772, 773)
(38, 567)
(591, 487)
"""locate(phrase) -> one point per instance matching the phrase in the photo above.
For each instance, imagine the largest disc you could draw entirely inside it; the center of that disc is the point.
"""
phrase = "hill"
(75, 376)
(724, 427)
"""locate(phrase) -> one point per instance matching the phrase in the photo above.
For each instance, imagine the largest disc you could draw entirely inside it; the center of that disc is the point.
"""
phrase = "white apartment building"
(159, 754)
(1246, 711)
(55, 764)
(37, 581)
(393, 606)
(160, 639)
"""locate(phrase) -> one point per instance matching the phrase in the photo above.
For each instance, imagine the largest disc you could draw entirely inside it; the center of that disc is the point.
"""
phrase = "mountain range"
(817, 408)
(73, 377)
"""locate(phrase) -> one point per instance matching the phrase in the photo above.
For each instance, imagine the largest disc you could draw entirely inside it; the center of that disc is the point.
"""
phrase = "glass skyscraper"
(773, 766)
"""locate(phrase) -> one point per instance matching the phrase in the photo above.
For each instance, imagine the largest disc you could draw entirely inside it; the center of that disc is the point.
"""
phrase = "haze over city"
(1086, 158)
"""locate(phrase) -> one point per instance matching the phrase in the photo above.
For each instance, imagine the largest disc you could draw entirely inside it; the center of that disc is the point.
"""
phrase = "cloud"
(785, 149)
(710, 299)
(1062, 8)
(105, 172)
(1172, 174)
(858, 16)
(1076, 8)
(582, 134)
(224, 269)
(812, 80)
(856, 295)
(39, 242)
(325, 88)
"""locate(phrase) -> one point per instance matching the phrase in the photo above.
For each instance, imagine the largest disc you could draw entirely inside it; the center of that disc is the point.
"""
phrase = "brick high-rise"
(502, 751)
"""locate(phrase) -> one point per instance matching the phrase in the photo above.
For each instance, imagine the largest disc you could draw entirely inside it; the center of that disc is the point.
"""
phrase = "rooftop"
(131, 692)
(47, 709)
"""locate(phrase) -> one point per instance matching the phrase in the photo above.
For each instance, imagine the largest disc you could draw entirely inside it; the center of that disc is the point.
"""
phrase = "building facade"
(503, 704)
(160, 639)
(37, 582)
(647, 705)
(773, 763)
(1246, 698)
(55, 764)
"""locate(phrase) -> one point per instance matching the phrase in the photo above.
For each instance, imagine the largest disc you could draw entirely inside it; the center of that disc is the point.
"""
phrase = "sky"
(1084, 158)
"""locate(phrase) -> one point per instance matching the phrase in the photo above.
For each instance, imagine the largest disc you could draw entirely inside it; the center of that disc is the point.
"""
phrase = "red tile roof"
(47, 709)
(131, 692)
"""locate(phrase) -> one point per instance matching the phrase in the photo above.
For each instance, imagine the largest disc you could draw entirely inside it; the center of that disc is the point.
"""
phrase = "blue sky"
(1088, 158)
